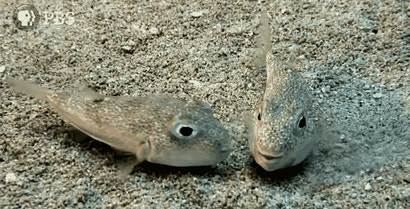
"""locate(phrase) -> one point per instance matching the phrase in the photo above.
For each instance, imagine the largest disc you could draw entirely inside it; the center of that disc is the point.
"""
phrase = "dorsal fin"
(90, 94)
(263, 42)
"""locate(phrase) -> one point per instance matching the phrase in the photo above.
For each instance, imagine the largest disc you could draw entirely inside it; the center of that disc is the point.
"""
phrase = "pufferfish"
(157, 128)
(283, 128)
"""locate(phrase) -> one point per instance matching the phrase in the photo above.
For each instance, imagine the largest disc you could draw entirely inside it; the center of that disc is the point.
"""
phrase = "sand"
(354, 54)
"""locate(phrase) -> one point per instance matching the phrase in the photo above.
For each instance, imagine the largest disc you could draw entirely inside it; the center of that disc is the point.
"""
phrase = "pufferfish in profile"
(157, 129)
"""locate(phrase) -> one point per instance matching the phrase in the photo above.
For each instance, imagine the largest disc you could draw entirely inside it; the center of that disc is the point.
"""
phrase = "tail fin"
(29, 88)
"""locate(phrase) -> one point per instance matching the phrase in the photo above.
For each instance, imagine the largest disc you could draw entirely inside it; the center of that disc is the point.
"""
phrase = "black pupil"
(259, 116)
(302, 122)
(186, 131)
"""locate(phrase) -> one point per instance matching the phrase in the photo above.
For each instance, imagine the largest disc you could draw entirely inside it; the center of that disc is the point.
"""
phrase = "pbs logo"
(26, 17)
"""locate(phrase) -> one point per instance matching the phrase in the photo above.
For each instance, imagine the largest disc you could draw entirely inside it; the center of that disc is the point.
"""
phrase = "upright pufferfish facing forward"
(282, 130)
(158, 129)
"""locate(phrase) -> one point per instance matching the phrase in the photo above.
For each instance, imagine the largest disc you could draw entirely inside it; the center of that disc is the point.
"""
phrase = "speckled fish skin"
(282, 129)
(158, 129)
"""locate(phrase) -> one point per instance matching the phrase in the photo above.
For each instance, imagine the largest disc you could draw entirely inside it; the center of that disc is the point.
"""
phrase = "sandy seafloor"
(354, 54)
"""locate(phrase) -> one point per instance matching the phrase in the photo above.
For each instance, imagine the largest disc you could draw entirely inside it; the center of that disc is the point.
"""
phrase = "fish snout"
(270, 159)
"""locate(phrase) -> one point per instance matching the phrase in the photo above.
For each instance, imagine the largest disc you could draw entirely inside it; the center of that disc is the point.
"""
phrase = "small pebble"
(2, 69)
(406, 179)
(195, 83)
(353, 195)
(154, 31)
(196, 14)
(127, 49)
(377, 95)
(10, 177)
(368, 187)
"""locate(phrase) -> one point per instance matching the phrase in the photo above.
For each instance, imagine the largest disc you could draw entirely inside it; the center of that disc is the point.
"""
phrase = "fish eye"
(185, 131)
(259, 110)
(302, 122)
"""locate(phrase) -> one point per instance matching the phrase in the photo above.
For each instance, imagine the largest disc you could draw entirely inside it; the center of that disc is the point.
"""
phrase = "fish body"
(283, 126)
(157, 128)
(282, 130)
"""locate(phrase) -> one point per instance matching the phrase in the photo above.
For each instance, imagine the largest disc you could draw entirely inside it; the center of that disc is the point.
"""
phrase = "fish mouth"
(271, 157)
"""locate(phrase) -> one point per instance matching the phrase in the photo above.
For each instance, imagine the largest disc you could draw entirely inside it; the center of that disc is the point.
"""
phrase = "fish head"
(278, 142)
(193, 138)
